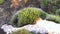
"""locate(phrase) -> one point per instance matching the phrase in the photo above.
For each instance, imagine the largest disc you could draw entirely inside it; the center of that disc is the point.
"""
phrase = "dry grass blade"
(15, 3)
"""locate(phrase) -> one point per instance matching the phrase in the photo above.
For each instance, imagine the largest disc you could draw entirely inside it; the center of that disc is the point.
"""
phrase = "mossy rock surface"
(55, 18)
(27, 16)
(22, 31)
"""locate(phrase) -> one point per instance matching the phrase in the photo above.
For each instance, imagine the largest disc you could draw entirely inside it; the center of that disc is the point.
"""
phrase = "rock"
(41, 27)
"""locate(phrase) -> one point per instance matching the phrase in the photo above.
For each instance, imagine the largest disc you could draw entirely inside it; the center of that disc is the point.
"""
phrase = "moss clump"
(23, 31)
(54, 18)
(2, 1)
(27, 16)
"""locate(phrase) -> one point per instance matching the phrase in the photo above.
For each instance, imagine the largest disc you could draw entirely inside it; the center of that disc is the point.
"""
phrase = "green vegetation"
(53, 9)
(55, 18)
(22, 31)
(2, 1)
(50, 6)
(27, 16)
(45, 3)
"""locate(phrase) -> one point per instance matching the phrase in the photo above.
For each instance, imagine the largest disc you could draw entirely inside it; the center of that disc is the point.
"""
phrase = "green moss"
(50, 6)
(27, 16)
(54, 18)
(22, 31)
(2, 1)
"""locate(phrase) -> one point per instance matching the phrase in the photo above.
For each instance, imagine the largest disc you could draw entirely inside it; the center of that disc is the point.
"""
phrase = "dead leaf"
(25, 1)
(15, 3)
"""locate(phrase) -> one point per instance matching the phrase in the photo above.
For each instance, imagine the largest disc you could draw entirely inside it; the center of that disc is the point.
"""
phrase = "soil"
(5, 12)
